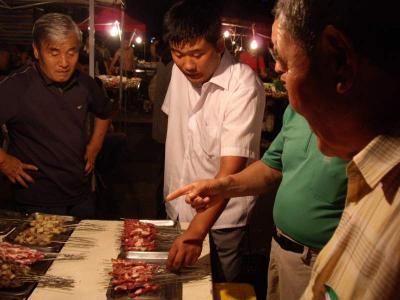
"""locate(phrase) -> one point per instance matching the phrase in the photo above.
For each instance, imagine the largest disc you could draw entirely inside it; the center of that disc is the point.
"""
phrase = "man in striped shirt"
(341, 69)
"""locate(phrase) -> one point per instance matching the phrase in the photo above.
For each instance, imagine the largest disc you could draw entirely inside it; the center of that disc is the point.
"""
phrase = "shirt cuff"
(235, 151)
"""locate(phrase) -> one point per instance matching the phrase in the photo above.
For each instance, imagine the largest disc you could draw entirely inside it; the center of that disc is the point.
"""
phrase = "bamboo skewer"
(48, 281)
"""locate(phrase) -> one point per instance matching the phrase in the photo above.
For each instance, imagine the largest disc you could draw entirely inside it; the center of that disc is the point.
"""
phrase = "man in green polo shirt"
(308, 203)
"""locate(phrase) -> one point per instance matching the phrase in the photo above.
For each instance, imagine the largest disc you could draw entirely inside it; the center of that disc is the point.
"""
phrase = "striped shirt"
(362, 259)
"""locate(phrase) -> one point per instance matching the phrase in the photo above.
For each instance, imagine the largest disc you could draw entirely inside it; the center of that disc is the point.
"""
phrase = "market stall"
(94, 250)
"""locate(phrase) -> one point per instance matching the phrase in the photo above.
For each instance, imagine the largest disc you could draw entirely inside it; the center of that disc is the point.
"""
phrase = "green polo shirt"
(311, 196)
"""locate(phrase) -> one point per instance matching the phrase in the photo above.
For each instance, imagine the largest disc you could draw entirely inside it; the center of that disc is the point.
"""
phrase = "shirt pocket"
(209, 139)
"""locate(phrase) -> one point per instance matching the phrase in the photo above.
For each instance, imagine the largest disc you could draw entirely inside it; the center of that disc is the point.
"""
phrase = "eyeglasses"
(273, 53)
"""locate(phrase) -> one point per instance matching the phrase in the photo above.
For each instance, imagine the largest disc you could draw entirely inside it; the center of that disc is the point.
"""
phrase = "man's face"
(58, 59)
(197, 60)
(311, 92)
(125, 44)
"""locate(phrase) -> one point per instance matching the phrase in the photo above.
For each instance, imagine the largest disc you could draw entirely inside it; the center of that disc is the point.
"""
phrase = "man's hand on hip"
(14, 169)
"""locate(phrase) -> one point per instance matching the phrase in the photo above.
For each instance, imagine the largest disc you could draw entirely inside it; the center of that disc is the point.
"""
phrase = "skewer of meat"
(15, 274)
(19, 254)
(138, 236)
(137, 277)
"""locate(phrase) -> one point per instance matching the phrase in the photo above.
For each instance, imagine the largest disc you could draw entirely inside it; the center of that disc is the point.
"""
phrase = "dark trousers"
(228, 248)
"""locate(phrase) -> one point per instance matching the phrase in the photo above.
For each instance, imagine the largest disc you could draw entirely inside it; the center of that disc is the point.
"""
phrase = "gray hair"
(372, 27)
(54, 26)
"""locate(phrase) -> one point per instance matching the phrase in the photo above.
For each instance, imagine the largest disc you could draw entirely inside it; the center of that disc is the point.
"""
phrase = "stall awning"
(104, 19)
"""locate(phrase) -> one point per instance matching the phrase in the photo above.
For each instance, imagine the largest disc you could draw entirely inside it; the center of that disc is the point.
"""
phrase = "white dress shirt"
(223, 117)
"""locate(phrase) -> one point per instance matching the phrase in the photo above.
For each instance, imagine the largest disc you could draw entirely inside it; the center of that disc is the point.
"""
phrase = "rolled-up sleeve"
(273, 156)
(99, 104)
(241, 128)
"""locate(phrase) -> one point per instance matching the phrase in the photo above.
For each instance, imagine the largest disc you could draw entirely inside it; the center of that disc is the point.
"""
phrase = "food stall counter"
(91, 275)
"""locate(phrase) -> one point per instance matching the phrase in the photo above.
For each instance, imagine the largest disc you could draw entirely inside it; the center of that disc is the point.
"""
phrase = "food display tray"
(55, 246)
(149, 256)
(9, 220)
(162, 223)
(23, 291)
(18, 293)
(170, 291)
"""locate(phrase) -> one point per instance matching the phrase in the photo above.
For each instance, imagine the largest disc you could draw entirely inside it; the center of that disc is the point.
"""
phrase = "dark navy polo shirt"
(47, 124)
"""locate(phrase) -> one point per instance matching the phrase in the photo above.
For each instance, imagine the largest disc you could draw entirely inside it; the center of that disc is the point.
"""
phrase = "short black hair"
(189, 20)
(372, 27)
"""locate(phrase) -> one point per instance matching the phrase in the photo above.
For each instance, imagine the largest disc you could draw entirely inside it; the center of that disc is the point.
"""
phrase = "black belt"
(288, 244)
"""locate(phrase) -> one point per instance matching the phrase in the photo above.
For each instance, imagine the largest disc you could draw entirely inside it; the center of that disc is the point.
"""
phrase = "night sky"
(151, 12)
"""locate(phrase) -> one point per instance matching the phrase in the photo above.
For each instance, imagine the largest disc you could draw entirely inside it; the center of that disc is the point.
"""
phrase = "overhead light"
(253, 45)
(115, 30)
(226, 34)
(138, 40)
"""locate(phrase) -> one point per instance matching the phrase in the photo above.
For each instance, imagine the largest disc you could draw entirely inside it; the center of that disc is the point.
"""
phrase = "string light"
(253, 45)
(226, 34)
(115, 30)
(138, 40)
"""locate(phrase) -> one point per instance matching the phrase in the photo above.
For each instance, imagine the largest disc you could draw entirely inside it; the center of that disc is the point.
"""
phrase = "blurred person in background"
(255, 60)
(128, 58)
(159, 86)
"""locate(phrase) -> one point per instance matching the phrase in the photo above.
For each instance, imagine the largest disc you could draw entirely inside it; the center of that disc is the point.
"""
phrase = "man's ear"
(340, 57)
(35, 51)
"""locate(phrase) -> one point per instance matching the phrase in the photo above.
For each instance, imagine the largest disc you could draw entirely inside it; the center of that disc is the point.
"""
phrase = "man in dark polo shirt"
(45, 108)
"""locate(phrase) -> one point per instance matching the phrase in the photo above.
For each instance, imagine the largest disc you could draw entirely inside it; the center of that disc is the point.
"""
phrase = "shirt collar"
(220, 76)
(64, 86)
(378, 158)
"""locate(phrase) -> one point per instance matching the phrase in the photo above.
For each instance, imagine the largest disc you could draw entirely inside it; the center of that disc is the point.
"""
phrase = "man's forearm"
(256, 179)
(99, 132)
(204, 220)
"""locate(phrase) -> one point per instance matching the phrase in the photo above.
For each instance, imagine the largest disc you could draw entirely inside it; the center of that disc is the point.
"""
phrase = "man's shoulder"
(87, 81)
(243, 77)
(21, 77)
(177, 77)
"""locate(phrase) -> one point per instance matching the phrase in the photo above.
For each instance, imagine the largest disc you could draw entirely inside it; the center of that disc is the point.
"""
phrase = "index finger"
(29, 167)
(179, 192)
(171, 257)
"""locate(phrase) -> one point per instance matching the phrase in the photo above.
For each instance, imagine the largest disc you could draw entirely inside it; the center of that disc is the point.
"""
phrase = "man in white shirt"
(215, 108)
